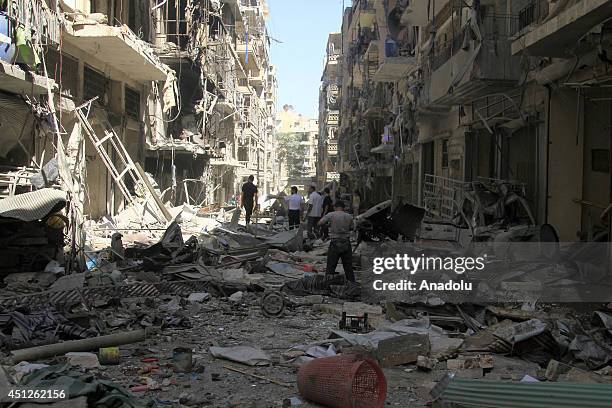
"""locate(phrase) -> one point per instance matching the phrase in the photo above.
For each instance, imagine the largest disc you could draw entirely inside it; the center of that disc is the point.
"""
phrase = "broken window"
(175, 23)
(94, 84)
(64, 70)
(132, 103)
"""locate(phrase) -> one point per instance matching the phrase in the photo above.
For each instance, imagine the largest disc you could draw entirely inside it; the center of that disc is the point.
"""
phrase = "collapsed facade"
(181, 89)
(436, 96)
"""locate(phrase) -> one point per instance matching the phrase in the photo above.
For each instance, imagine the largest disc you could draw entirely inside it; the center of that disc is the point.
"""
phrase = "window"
(445, 153)
(94, 84)
(527, 16)
(243, 154)
(132, 103)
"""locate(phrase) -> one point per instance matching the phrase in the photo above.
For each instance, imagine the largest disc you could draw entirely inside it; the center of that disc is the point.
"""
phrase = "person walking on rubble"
(340, 227)
(315, 208)
(295, 205)
(248, 198)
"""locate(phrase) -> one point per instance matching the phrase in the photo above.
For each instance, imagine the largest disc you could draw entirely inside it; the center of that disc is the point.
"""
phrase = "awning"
(120, 48)
(33, 206)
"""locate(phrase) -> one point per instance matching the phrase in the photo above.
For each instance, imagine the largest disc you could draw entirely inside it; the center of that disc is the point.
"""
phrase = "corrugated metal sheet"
(42, 300)
(500, 394)
(32, 206)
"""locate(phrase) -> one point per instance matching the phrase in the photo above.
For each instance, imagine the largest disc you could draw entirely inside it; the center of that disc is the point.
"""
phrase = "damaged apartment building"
(178, 92)
(438, 95)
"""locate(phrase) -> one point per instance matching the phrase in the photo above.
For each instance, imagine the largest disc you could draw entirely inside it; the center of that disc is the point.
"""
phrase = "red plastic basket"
(345, 381)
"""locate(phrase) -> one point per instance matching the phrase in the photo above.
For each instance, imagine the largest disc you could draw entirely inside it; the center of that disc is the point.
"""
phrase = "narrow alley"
(305, 203)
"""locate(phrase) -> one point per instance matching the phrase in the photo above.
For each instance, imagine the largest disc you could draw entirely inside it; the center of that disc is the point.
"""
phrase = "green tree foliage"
(293, 153)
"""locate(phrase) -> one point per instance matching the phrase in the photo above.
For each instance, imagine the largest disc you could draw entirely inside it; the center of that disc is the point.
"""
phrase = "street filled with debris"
(176, 231)
(212, 312)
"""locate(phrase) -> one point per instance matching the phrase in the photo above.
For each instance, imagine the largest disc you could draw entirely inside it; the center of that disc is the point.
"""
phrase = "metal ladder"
(130, 169)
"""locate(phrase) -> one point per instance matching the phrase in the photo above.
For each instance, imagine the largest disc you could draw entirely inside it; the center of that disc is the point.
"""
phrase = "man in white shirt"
(315, 210)
(295, 205)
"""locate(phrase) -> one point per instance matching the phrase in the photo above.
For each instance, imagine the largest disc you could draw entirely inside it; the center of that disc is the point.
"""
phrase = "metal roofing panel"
(32, 206)
(500, 394)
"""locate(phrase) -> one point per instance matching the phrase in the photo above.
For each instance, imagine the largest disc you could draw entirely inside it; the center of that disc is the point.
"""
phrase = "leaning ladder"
(130, 169)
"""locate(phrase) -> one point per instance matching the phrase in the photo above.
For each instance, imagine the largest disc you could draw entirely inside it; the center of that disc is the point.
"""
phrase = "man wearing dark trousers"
(295, 205)
(249, 198)
(340, 227)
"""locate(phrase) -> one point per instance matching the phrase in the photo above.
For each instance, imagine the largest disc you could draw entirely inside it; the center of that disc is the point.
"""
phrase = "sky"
(302, 27)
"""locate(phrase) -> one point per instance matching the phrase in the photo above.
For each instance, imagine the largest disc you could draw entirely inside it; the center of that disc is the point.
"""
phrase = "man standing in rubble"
(314, 212)
(340, 227)
(248, 198)
(295, 205)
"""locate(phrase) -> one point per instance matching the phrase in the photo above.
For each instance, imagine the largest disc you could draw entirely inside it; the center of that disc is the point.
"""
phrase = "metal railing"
(36, 14)
(444, 196)
(533, 13)
(493, 28)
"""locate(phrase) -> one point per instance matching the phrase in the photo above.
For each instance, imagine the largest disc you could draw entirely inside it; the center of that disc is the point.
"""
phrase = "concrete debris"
(81, 359)
(403, 349)
(131, 275)
(242, 354)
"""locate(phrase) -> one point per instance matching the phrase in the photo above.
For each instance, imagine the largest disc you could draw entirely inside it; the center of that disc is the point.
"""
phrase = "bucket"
(345, 381)
(182, 359)
(109, 356)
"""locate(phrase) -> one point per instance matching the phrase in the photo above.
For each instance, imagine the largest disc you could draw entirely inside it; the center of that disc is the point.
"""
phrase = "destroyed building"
(329, 112)
(476, 131)
(185, 87)
(439, 95)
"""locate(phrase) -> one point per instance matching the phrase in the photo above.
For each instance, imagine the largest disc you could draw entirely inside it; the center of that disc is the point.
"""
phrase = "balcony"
(364, 14)
(333, 118)
(420, 13)
(559, 37)
(118, 47)
(466, 70)
(257, 81)
(250, 54)
(395, 68)
(15, 80)
(332, 149)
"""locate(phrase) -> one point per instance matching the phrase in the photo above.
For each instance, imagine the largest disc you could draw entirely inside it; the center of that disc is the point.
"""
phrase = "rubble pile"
(208, 312)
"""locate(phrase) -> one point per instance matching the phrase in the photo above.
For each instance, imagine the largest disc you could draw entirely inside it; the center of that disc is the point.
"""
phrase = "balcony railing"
(535, 12)
(493, 28)
(34, 14)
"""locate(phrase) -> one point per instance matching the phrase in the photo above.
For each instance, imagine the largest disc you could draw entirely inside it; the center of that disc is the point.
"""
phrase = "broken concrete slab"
(198, 297)
(82, 359)
(403, 349)
(466, 362)
(425, 363)
(242, 354)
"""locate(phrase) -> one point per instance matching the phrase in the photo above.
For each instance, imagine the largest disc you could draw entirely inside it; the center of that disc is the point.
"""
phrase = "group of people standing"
(328, 219)
(325, 217)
